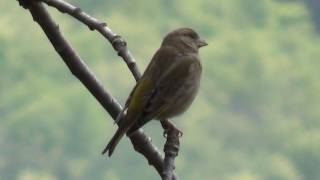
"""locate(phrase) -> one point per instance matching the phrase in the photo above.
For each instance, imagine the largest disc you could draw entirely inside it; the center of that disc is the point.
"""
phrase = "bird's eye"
(192, 35)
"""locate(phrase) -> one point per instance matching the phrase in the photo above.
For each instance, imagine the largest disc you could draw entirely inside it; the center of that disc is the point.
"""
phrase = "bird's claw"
(169, 130)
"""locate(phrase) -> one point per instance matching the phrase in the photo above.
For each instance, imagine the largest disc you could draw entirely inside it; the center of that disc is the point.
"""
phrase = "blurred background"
(256, 118)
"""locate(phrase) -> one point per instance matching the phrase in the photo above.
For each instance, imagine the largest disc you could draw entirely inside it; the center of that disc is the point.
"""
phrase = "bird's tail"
(114, 141)
(118, 135)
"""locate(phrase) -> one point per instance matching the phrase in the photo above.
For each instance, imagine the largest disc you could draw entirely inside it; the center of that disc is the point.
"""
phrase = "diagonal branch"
(117, 42)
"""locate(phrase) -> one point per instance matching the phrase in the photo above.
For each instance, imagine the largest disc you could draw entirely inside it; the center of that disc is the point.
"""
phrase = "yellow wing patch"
(140, 96)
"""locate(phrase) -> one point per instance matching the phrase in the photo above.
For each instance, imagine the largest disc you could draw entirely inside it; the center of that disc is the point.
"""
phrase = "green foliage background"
(256, 118)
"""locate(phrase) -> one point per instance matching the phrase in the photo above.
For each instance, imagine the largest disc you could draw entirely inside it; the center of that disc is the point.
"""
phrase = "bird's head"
(184, 39)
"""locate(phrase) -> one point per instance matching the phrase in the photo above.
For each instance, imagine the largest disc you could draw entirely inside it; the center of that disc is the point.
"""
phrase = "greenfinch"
(167, 87)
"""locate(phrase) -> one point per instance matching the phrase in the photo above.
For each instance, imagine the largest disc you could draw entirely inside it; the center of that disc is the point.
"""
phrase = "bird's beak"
(201, 43)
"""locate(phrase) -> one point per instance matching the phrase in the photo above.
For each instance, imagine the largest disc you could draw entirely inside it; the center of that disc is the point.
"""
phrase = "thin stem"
(119, 44)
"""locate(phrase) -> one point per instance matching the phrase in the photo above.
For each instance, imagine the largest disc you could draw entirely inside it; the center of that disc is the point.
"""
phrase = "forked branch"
(141, 142)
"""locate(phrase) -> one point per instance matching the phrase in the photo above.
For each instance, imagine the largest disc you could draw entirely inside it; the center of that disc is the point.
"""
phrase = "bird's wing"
(160, 62)
(165, 89)
(145, 88)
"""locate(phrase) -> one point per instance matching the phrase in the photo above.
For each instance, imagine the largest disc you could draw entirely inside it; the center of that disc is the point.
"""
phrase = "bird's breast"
(184, 93)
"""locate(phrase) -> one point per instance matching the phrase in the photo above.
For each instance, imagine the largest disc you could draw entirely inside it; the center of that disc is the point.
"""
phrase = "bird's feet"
(170, 128)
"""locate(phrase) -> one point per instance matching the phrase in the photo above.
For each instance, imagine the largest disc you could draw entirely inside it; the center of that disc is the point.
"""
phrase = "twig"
(171, 148)
(140, 141)
(117, 42)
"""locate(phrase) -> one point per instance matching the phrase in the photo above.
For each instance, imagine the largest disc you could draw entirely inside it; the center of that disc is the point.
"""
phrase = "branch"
(141, 142)
(171, 148)
(75, 64)
(117, 42)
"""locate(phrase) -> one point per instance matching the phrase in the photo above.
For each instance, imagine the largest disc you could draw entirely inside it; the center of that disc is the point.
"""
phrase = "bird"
(167, 87)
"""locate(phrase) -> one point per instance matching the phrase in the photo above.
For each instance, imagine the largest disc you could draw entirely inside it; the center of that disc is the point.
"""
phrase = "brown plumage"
(168, 86)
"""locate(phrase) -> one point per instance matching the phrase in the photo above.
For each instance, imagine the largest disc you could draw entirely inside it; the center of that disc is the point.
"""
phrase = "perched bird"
(167, 87)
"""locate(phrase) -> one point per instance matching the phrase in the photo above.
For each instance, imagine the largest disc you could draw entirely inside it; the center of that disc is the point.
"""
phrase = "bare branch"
(171, 148)
(75, 64)
(117, 42)
(141, 142)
